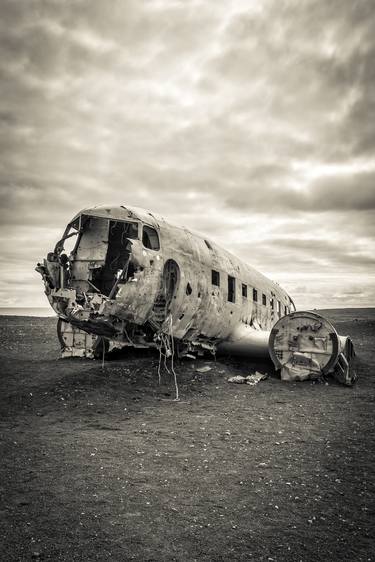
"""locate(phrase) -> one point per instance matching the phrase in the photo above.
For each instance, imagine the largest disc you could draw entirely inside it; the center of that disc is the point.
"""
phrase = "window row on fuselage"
(258, 297)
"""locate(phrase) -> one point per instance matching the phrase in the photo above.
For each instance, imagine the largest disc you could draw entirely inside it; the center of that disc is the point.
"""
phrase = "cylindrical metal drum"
(304, 345)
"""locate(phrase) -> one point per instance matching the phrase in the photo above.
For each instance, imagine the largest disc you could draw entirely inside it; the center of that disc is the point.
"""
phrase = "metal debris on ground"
(238, 379)
(255, 378)
(250, 379)
(204, 369)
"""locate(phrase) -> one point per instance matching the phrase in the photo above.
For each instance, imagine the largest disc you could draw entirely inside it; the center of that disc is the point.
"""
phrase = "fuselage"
(133, 279)
(133, 272)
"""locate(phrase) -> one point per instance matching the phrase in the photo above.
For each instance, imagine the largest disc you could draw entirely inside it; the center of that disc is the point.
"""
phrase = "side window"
(231, 289)
(150, 238)
(244, 291)
(215, 277)
(272, 303)
(264, 299)
(279, 308)
(255, 295)
(286, 310)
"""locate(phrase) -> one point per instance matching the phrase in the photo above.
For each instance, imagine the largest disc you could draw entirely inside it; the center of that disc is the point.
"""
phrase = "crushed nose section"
(75, 342)
(103, 291)
(304, 345)
(78, 343)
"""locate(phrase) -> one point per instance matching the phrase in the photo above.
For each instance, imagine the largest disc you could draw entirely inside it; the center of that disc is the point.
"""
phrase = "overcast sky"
(250, 121)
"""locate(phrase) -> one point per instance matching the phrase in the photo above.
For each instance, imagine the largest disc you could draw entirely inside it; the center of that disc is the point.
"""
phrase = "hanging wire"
(127, 335)
(159, 365)
(172, 358)
(166, 350)
(103, 355)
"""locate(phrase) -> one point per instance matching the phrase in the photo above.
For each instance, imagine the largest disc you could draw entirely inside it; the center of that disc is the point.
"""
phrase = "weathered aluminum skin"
(198, 313)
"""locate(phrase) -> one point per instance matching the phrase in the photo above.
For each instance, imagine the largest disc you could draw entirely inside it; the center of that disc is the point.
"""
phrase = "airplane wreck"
(133, 279)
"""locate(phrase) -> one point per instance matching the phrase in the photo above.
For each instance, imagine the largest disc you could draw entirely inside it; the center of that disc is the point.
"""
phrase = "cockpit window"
(124, 229)
(150, 238)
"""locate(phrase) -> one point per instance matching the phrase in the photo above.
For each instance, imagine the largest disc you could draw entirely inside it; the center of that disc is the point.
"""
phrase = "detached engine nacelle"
(304, 345)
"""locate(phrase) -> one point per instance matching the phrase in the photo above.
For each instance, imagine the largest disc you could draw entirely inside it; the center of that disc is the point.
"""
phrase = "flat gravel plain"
(103, 464)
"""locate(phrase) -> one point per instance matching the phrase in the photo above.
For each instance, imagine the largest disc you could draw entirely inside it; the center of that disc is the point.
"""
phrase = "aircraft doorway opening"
(171, 279)
(117, 267)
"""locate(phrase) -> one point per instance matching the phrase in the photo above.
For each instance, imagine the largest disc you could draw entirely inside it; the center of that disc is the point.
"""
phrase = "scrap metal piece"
(251, 380)
(204, 369)
(75, 342)
(304, 345)
(256, 377)
(237, 379)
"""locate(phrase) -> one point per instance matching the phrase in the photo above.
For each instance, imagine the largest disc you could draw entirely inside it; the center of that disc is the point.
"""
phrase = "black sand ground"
(104, 465)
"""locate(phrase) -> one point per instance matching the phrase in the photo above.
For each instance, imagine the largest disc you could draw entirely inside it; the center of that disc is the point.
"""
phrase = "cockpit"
(99, 254)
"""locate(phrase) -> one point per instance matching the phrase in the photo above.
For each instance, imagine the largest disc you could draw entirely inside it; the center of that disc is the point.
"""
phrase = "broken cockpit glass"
(98, 260)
